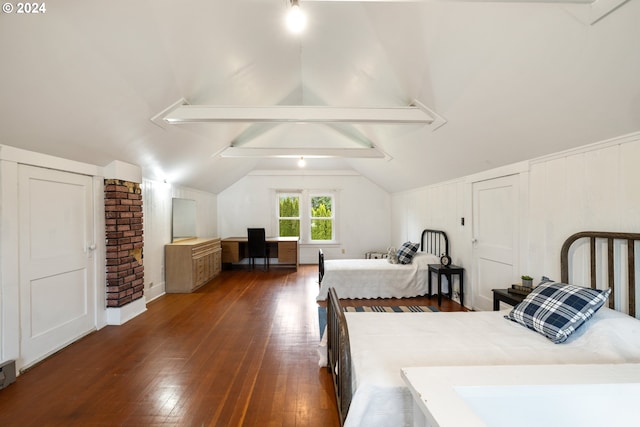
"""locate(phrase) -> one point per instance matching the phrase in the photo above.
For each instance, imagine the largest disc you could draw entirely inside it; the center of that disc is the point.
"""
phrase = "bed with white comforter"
(382, 344)
(378, 278)
(366, 351)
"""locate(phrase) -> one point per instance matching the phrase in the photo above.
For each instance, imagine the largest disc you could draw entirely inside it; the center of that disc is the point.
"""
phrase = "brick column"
(123, 221)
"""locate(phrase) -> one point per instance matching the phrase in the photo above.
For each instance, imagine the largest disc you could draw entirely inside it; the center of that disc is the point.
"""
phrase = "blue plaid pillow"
(556, 310)
(407, 251)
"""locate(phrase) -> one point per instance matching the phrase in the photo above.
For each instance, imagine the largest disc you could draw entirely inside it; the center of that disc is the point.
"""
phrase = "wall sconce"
(296, 19)
(302, 163)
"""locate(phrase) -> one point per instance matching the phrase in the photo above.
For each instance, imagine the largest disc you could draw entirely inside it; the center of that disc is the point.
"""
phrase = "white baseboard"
(154, 292)
(121, 315)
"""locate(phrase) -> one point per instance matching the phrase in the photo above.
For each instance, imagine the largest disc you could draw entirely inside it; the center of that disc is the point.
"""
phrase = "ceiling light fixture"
(296, 19)
(302, 163)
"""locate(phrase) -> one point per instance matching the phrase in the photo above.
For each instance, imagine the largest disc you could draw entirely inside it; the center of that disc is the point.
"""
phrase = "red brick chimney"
(125, 242)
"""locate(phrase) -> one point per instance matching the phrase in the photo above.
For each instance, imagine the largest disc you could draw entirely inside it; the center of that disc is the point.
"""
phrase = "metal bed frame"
(338, 344)
(434, 242)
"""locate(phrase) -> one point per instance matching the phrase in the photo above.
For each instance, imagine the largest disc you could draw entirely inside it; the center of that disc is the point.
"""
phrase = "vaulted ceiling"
(505, 81)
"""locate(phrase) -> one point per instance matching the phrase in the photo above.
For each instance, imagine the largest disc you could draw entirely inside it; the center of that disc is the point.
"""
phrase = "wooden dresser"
(191, 263)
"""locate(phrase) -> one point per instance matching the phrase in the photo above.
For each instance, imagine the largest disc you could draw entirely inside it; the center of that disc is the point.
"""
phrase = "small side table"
(506, 297)
(448, 272)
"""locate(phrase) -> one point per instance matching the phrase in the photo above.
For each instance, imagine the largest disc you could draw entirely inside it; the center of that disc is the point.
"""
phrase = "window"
(310, 216)
(322, 219)
(289, 215)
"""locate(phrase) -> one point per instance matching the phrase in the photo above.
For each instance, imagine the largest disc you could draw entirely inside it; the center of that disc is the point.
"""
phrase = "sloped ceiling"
(512, 80)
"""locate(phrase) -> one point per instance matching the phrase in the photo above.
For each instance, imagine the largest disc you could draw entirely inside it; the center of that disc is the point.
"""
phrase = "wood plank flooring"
(240, 351)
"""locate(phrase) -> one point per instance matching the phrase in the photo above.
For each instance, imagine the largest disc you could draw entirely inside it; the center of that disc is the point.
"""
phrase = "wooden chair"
(257, 246)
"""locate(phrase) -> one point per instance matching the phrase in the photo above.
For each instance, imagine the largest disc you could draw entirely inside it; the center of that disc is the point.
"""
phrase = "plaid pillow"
(407, 251)
(556, 310)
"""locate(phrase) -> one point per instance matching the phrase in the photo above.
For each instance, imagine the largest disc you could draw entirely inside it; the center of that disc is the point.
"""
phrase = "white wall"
(156, 203)
(590, 188)
(439, 207)
(363, 210)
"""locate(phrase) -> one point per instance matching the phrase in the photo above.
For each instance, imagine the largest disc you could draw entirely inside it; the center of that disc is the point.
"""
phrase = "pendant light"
(296, 19)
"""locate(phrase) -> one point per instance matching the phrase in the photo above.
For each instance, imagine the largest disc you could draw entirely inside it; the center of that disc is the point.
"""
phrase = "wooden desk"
(234, 250)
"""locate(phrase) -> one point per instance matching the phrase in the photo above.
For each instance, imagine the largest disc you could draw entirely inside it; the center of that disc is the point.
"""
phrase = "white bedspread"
(384, 343)
(378, 278)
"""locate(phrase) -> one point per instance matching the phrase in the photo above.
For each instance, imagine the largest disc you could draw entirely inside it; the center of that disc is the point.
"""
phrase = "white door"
(495, 234)
(57, 285)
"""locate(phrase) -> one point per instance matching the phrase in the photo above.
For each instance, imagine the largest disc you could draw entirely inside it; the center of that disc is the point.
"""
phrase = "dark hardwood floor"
(240, 351)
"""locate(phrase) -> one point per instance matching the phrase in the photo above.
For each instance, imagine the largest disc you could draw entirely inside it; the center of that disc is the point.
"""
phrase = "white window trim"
(310, 195)
(305, 214)
(276, 198)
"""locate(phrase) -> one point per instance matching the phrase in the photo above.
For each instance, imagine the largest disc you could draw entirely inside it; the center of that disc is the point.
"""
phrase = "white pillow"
(392, 255)
(422, 259)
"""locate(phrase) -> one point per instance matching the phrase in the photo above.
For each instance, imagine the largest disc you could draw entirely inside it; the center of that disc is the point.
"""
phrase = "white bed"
(378, 278)
(366, 351)
(382, 344)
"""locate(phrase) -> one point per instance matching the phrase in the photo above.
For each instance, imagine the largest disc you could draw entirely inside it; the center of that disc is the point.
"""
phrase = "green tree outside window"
(289, 214)
(321, 218)
(319, 212)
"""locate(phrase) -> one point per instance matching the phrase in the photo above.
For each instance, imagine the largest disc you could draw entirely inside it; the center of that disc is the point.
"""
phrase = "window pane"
(289, 228)
(289, 206)
(321, 229)
(321, 207)
(289, 215)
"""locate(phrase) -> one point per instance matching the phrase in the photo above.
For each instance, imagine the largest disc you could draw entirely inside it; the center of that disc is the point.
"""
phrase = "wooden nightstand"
(448, 272)
(507, 297)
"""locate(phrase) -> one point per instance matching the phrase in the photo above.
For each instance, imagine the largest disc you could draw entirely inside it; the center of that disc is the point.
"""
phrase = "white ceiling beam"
(458, 1)
(297, 114)
(438, 120)
(367, 153)
(158, 119)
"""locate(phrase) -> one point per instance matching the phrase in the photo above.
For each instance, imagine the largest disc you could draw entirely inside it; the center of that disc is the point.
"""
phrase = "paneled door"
(57, 280)
(495, 237)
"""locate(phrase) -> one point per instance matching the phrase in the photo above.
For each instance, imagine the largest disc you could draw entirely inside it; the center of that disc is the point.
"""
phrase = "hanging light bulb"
(302, 163)
(296, 19)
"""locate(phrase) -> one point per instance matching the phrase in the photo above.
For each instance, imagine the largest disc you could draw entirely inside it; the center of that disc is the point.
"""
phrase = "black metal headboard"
(435, 242)
(609, 257)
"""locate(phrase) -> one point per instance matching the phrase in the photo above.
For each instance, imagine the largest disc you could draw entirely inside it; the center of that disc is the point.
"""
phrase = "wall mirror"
(183, 222)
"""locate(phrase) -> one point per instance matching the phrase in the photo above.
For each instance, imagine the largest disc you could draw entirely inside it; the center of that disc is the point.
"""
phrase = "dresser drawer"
(203, 250)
